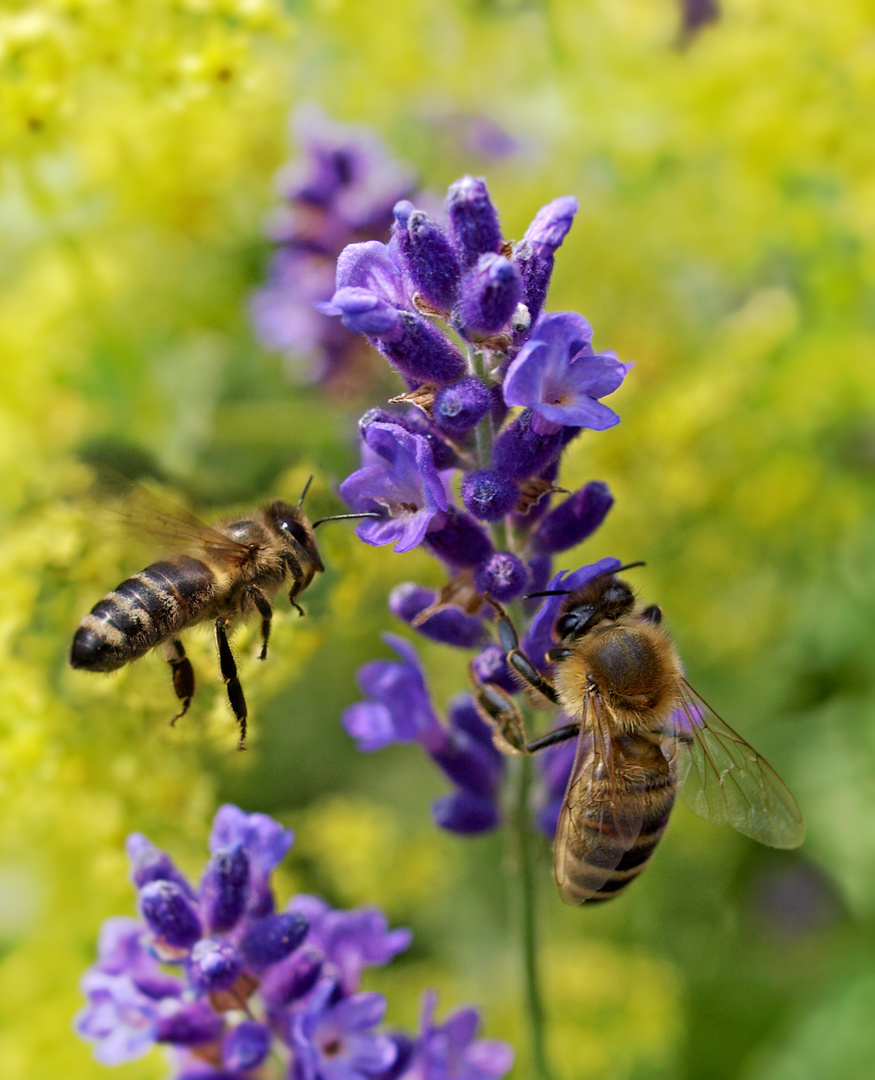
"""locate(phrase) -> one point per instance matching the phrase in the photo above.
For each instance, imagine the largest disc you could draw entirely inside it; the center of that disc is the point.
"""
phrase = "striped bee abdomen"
(144, 610)
(596, 858)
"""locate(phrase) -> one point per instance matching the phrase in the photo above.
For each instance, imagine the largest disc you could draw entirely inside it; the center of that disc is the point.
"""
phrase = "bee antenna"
(304, 492)
(344, 517)
(548, 592)
(628, 566)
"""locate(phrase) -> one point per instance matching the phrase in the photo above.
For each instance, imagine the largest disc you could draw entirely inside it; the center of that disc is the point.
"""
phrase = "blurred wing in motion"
(598, 823)
(724, 780)
(170, 529)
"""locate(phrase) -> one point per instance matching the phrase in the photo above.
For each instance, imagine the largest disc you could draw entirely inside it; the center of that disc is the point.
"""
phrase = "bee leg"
(501, 713)
(183, 675)
(266, 612)
(297, 572)
(561, 734)
(228, 669)
(652, 614)
(522, 665)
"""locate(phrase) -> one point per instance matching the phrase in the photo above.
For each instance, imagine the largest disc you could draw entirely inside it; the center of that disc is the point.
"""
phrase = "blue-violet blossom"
(237, 990)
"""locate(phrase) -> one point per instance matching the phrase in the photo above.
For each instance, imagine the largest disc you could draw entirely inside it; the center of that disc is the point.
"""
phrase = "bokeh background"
(724, 243)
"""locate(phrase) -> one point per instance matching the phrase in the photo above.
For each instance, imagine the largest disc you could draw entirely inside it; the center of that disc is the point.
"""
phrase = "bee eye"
(293, 528)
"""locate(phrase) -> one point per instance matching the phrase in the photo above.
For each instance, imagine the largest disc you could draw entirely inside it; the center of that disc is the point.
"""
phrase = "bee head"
(295, 529)
(604, 598)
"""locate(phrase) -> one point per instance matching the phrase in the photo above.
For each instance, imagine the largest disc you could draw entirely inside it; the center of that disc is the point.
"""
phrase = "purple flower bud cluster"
(467, 465)
(237, 990)
(341, 190)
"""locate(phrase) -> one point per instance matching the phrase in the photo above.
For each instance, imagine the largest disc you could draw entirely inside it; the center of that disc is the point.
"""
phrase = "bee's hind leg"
(228, 670)
(183, 674)
(266, 612)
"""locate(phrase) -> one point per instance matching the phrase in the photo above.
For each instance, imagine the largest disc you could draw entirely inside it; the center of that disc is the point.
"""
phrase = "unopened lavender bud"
(246, 1046)
(460, 407)
(490, 666)
(190, 1025)
(460, 542)
(272, 938)
(149, 863)
(291, 978)
(489, 295)
(551, 224)
(444, 455)
(213, 965)
(503, 577)
(520, 452)
(430, 262)
(422, 353)
(489, 494)
(474, 228)
(465, 813)
(363, 312)
(224, 888)
(450, 625)
(169, 913)
(573, 520)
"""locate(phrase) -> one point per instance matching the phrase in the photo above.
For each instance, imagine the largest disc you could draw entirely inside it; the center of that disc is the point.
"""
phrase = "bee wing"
(724, 780)
(597, 825)
(145, 515)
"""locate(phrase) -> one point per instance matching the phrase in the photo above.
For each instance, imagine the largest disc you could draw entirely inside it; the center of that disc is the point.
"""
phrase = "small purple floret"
(224, 888)
(474, 228)
(560, 378)
(489, 494)
(462, 406)
(429, 258)
(488, 296)
(213, 965)
(503, 577)
(450, 625)
(246, 1046)
(272, 938)
(573, 520)
(400, 482)
(400, 709)
(169, 914)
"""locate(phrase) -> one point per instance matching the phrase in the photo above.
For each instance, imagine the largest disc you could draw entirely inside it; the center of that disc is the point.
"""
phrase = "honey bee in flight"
(223, 573)
(642, 734)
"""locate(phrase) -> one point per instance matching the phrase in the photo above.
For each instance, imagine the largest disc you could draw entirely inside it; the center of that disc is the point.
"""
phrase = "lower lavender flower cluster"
(237, 990)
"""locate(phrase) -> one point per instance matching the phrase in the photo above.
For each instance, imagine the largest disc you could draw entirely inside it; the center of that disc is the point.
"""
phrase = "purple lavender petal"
(465, 813)
(372, 266)
(121, 1021)
(559, 377)
(400, 482)
(363, 312)
(401, 710)
(246, 1046)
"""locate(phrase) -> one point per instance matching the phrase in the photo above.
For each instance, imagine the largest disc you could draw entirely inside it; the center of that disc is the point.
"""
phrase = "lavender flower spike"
(400, 482)
(558, 375)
